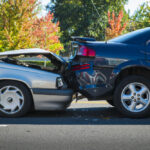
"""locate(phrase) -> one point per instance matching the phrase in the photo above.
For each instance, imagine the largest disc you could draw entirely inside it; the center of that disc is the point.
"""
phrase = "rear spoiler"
(82, 39)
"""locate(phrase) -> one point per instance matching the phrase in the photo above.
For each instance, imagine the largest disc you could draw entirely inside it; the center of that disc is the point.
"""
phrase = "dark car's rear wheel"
(132, 96)
(15, 99)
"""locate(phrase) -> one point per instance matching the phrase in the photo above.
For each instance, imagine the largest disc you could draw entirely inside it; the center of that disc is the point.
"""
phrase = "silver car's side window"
(35, 61)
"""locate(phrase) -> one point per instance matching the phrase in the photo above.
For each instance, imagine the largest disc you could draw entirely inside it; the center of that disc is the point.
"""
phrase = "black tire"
(118, 91)
(27, 105)
(110, 102)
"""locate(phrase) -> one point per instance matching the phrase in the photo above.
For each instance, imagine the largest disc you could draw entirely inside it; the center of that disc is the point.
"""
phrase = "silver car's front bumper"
(52, 99)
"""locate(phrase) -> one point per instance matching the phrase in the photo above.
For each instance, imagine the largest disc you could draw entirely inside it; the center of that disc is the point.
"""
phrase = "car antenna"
(98, 15)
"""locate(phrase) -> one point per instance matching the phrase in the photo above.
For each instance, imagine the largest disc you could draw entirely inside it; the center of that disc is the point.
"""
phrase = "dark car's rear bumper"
(52, 99)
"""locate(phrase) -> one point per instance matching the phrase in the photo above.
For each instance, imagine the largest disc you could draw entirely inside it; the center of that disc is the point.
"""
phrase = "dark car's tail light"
(80, 67)
(86, 51)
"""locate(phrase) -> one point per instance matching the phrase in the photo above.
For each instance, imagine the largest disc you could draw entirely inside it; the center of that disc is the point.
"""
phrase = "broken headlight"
(59, 82)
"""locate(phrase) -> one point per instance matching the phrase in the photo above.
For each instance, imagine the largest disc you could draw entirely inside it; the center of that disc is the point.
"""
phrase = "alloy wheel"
(135, 97)
(11, 99)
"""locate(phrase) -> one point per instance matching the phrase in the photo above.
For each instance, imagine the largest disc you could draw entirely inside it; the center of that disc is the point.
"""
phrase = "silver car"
(32, 78)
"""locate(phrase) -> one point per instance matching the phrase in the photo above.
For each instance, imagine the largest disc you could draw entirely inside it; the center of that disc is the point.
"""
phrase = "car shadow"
(77, 116)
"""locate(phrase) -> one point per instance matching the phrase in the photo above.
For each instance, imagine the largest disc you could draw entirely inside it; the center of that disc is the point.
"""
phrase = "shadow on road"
(78, 116)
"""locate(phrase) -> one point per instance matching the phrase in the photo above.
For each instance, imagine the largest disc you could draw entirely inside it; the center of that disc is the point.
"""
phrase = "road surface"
(84, 126)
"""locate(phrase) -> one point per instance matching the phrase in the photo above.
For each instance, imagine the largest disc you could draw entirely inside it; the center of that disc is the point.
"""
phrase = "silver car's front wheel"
(11, 99)
(15, 99)
(132, 96)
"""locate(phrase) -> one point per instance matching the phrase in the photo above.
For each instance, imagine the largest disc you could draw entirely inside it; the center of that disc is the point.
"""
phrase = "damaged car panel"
(41, 72)
(95, 74)
(100, 67)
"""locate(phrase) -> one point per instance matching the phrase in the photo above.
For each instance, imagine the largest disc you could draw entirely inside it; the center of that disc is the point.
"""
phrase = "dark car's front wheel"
(132, 96)
(15, 99)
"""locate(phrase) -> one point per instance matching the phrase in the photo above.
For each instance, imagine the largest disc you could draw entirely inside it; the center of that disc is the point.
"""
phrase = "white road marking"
(3, 125)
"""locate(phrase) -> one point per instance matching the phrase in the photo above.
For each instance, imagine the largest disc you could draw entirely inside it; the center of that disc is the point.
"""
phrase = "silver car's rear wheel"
(135, 97)
(11, 99)
(15, 99)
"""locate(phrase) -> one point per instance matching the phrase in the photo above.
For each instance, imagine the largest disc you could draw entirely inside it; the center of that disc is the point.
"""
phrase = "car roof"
(36, 51)
(138, 37)
(24, 51)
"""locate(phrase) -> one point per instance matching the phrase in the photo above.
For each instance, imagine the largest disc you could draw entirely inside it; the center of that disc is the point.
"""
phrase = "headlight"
(59, 82)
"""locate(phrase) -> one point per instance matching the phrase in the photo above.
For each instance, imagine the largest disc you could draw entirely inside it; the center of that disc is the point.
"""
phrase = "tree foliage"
(14, 18)
(141, 17)
(115, 25)
(45, 34)
(79, 17)
(20, 28)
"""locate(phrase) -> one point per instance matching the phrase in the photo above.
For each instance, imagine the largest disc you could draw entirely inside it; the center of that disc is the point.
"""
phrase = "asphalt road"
(84, 126)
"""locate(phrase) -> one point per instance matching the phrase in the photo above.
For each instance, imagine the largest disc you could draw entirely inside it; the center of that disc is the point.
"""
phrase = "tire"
(15, 100)
(132, 97)
(110, 102)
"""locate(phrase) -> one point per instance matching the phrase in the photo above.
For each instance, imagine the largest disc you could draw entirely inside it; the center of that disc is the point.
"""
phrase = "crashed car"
(117, 70)
(26, 82)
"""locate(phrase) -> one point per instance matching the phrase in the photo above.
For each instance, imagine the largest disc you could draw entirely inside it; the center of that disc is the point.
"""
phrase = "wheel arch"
(133, 70)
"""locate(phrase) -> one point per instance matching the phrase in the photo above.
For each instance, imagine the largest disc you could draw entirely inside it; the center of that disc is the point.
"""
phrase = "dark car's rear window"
(139, 37)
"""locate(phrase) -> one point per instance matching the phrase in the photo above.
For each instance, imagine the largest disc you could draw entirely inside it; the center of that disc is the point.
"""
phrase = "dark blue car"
(117, 70)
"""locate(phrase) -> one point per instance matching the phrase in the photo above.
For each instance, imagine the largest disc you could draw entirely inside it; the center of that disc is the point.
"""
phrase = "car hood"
(30, 51)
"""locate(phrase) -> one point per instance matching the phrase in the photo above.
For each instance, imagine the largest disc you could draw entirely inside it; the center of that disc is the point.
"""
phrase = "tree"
(80, 18)
(115, 25)
(141, 18)
(20, 28)
(15, 18)
(45, 34)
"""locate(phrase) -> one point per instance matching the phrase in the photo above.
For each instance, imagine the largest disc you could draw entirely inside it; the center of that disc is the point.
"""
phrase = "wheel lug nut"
(132, 97)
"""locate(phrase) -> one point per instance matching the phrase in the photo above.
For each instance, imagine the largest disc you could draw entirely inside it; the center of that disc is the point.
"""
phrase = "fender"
(127, 65)
(26, 81)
